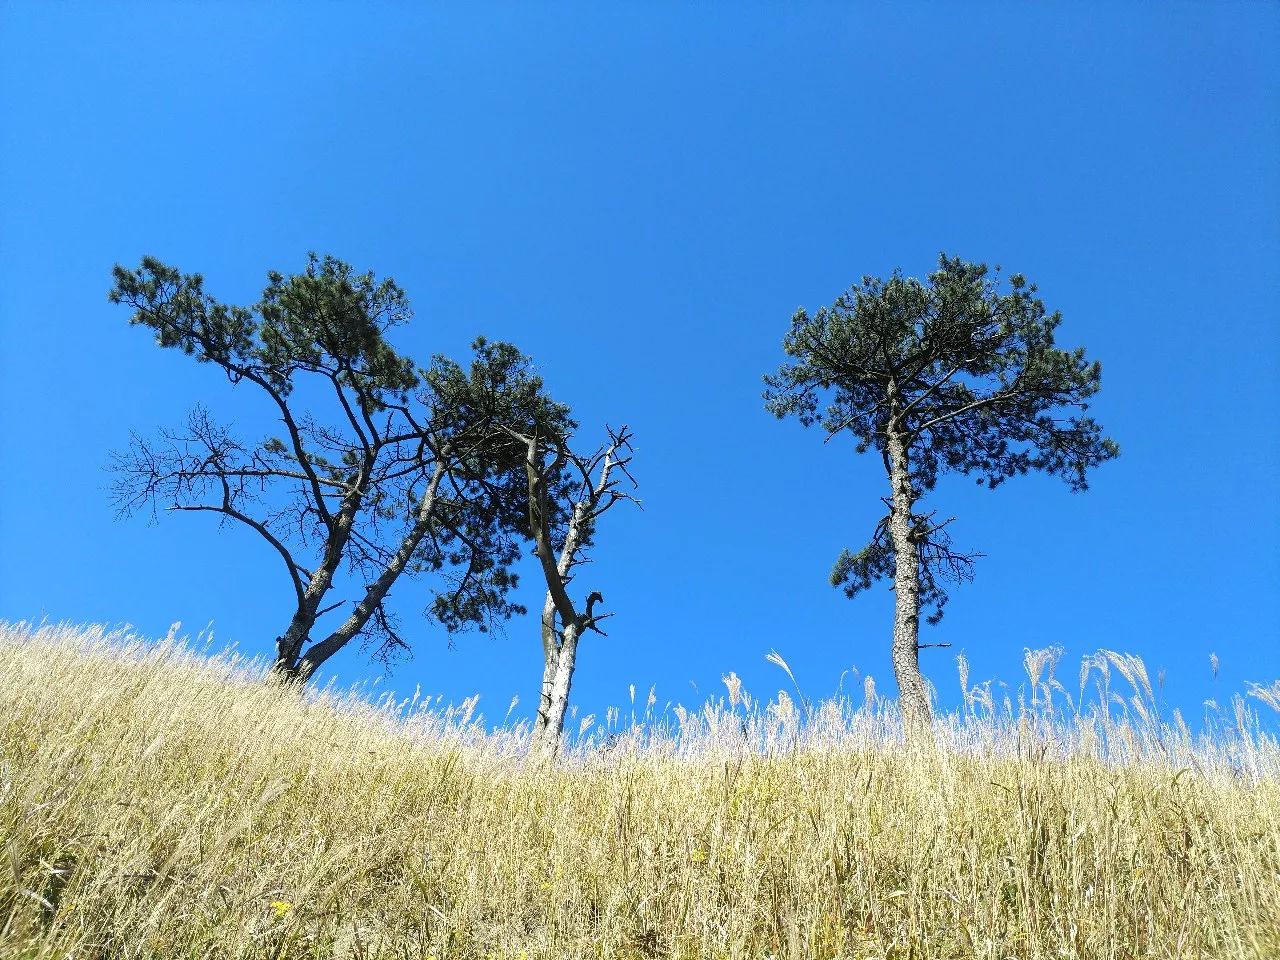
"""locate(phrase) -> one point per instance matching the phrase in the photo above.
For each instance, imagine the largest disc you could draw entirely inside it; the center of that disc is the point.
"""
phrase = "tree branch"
(296, 570)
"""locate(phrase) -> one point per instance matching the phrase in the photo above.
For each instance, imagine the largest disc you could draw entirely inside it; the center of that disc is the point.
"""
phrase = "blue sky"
(639, 196)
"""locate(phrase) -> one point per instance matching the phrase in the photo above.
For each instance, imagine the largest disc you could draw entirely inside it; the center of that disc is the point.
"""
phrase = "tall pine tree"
(958, 373)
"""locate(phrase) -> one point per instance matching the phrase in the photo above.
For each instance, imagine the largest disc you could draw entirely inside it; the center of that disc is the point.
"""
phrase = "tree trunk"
(549, 728)
(377, 591)
(550, 662)
(560, 650)
(289, 646)
(289, 662)
(913, 693)
(558, 660)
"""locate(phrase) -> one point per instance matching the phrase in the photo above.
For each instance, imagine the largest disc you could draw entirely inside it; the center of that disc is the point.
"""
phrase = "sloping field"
(155, 803)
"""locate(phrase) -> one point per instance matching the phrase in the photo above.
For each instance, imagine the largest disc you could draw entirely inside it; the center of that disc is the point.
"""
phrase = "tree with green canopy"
(380, 469)
(959, 373)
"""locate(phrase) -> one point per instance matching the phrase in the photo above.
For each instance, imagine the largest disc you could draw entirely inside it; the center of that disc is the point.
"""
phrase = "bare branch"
(296, 570)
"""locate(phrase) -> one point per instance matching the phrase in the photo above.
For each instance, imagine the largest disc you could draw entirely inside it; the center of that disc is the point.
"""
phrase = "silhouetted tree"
(381, 468)
(950, 374)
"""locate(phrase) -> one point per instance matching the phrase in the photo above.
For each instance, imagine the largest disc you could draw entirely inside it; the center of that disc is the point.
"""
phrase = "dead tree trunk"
(593, 490)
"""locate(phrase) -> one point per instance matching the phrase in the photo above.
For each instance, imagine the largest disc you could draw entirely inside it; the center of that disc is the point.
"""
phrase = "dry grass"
(156, 803)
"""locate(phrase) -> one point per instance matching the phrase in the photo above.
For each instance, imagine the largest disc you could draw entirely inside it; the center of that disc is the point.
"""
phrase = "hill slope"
(157, 803)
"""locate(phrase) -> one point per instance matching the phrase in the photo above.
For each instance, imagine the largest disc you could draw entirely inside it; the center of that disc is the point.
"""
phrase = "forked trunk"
(913, 692)
(289, 646)
(291, 662)
(560, 647)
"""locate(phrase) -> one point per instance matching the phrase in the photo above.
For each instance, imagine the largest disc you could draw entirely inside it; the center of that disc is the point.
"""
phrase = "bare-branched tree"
(381, 469)
(567, 494)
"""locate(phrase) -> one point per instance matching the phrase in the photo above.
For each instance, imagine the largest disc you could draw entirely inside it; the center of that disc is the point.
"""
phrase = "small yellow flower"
(281, 908)
(698, 856)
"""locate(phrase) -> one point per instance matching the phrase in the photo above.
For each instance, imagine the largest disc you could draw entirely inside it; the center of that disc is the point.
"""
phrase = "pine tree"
(381, 469)
(959, 373)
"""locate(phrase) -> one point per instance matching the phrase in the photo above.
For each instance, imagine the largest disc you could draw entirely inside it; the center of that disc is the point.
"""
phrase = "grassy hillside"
(154, 803)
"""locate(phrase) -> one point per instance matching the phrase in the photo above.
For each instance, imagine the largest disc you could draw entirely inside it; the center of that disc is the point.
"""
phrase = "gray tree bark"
(560, 645)
(913, 692)
(548, 730)
(291, 662)
(288, 663)
(377, 591)
(563, 622)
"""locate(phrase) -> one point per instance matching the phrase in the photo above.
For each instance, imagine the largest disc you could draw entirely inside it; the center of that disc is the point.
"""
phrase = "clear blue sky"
(639, 196)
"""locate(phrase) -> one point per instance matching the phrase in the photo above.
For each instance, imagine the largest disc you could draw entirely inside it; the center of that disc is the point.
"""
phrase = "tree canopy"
(381, 467)
(959, 373)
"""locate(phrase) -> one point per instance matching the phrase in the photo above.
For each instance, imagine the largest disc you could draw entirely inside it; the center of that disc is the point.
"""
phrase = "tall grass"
(158, 803)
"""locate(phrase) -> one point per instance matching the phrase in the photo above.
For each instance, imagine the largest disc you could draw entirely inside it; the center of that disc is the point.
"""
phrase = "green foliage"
(499, 388)
(325, 320)
(937, 564)
(348, 476)
(963, 370)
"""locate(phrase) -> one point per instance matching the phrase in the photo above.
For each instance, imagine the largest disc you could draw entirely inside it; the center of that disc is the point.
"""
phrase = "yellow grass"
(157, 803)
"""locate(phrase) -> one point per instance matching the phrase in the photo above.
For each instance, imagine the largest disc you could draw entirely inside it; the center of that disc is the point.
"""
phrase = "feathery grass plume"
(1268, 694)
(776, 658)
(733, 684)
(155, 802)
(962, 668)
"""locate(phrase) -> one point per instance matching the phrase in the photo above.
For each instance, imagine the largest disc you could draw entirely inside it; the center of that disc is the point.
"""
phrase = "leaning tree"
(568, 493)
(379, 470)
(954, 374)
